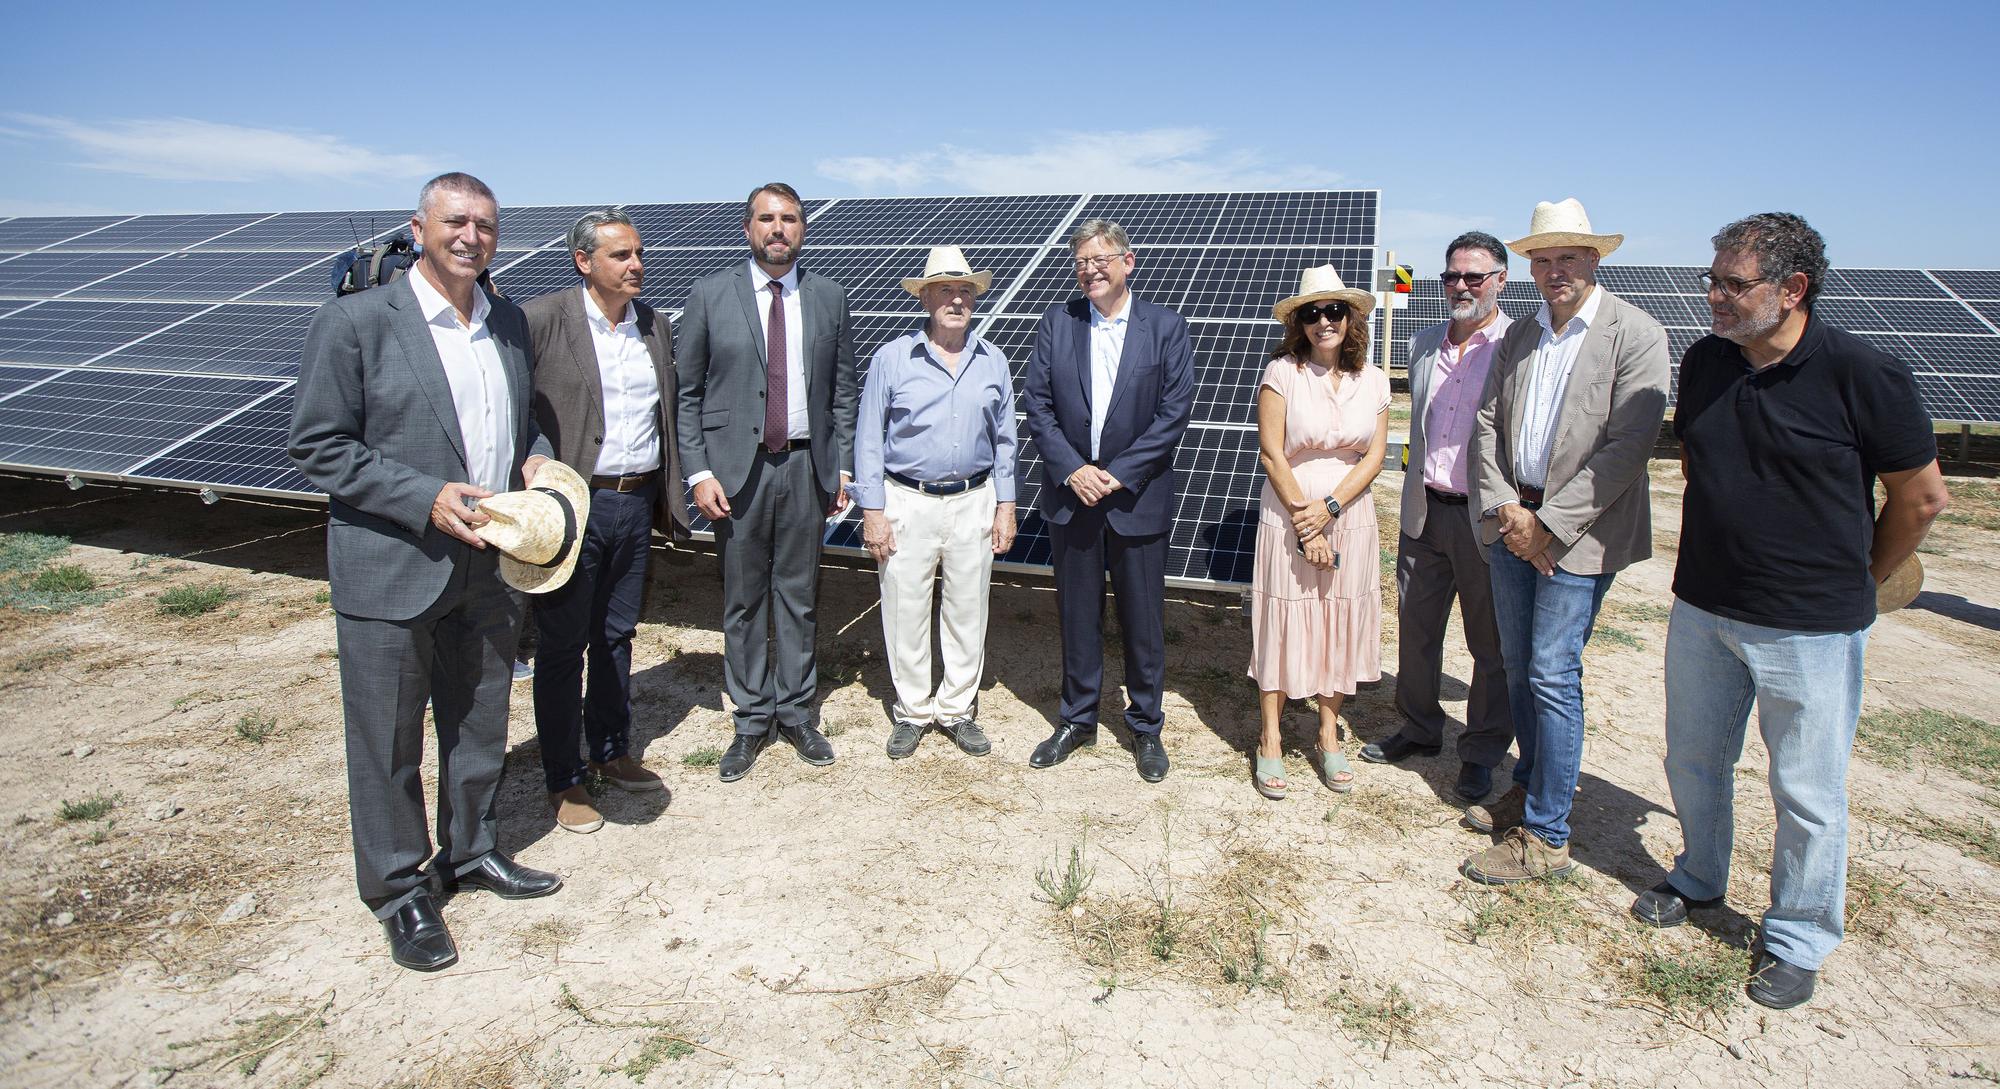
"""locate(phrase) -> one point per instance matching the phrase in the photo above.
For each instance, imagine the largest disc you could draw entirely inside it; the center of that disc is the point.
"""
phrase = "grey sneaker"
(969, 736)
(904, 737)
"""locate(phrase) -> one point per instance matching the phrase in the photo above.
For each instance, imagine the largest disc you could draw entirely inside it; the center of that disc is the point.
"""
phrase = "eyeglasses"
(1730, 286)
(1098, 263)
(1310, 313)
(1472, 279)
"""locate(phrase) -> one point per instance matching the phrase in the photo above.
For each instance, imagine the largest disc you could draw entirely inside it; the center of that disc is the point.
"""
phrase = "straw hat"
(947, 265)
(538, 531)
(1901, 587)
(1563, 224)
(1318, 285)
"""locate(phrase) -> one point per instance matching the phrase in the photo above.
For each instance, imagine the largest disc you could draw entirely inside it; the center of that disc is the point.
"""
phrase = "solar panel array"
(163, 349)
(1943, 323)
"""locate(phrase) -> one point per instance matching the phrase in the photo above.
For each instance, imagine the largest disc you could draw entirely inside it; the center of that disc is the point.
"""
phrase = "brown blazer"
(569, 393)
(1597, 501)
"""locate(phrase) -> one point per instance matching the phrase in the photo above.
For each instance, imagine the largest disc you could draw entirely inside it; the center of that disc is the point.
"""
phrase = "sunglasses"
(1472, 279)
(1310, 313)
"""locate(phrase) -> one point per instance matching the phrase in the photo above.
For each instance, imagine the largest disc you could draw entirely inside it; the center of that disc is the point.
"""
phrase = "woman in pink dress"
(1315, 592)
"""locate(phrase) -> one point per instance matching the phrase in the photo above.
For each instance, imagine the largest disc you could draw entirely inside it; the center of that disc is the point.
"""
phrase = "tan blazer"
(1597, 503)
(569, 393)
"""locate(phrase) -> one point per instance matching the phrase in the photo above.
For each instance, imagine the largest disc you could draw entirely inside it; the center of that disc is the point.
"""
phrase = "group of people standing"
(470, 448)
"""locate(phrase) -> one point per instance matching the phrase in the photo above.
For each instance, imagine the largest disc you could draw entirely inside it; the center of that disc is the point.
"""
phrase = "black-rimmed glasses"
(1730, 286)
(1310, 313)
(1099, 263)
(1471, 279)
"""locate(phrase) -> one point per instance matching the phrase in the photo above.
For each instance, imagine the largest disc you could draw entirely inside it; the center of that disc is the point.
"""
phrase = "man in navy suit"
(1110, 385)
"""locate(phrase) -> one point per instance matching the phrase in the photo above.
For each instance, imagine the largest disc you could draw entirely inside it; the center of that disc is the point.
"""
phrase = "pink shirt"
(1457, 380)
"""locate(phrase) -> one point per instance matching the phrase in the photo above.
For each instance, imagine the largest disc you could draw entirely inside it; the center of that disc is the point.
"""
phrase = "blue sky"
(1666, 120)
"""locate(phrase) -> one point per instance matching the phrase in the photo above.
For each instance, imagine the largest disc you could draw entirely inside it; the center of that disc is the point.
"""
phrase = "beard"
(764, 254)
(1752, 325)
(1473, 309)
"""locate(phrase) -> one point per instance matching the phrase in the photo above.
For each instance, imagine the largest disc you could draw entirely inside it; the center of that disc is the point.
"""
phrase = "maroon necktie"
(777, 417)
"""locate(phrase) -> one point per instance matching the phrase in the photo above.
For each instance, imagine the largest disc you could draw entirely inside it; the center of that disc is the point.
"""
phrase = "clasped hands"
(456, 510)
(1091, 484)
(1309, 519)
(1526, 537)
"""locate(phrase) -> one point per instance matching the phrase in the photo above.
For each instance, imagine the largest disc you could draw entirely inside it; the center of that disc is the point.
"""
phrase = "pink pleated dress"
(1316, 631)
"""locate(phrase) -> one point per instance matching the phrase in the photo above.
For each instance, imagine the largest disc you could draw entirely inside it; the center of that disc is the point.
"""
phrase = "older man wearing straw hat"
(1569, 417)
(934, 478)
(1785, 424)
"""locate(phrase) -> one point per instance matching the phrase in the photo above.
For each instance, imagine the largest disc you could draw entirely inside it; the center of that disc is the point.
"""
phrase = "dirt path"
(876, 923)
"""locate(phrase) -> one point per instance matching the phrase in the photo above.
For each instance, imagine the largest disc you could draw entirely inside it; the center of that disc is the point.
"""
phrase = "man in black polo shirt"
(1785, 424)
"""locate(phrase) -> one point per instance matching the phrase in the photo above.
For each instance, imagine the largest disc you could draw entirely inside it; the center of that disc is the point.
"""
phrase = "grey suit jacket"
(569, 393)
(374, 426)
(1422, 357)
(722, 383)
(1596, 501)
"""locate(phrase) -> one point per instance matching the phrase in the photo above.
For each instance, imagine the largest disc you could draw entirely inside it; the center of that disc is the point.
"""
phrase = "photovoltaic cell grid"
(153, 233)
(108, 422)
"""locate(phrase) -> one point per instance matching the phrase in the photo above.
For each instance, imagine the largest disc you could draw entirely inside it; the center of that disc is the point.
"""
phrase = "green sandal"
(1269, 767)
(1331, 764)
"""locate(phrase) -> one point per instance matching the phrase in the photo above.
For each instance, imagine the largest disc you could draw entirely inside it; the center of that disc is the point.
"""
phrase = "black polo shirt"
(1779, 514)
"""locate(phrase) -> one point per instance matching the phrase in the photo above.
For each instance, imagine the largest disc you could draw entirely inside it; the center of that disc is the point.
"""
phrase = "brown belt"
(630, 482)
(1531, 498)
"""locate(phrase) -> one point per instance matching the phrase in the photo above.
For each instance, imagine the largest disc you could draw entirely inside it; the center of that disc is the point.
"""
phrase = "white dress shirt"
(800, 426)
(1549, 368)
(631, 392)
(1107, 343)
(478, 382)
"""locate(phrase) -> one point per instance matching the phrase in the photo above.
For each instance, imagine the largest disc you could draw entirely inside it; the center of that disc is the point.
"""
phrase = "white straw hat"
(1563, 224)
(1318, 285)
(1901, 587)
(540, 530)
(947, 265)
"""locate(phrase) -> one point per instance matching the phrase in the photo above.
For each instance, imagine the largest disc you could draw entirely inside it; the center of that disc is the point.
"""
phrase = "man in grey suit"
(767, 406)
(1437, 554)
(412, 405)
(1570, 414)
(604, 389)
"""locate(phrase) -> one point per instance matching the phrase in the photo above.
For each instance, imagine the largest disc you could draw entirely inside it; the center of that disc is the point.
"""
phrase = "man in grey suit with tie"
(767, 402)
(412, 405)
(604, 392)
(1437, 554)
(1570, 414)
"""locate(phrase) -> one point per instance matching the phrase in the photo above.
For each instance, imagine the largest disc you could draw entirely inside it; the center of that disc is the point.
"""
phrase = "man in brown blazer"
(604, 387)
(1568, 419)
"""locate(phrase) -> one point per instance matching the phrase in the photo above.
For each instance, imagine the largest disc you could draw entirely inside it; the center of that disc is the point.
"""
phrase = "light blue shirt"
(1107, 343)
(1549, 369)
(920, 420)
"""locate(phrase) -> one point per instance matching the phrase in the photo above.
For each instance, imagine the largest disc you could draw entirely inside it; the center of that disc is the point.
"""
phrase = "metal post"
(1389, 317)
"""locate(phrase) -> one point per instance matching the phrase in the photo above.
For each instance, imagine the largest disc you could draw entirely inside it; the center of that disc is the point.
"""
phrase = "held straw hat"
(1901, 587)
(1318, 285)
(539, 530)
(1563, 224)
(947, 265)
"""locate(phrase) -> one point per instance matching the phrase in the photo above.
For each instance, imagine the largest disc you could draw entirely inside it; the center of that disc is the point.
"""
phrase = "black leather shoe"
(1396, 749)
(1475, 782)
(1067, 738)
(1664, 906)
(1150, 755)
(742, 756)
(812, 746)
(508, 879)
(417, 937)
(1777, 984)
(903, 738)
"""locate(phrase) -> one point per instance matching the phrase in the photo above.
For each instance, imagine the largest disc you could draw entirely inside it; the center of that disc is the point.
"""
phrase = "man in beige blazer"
(1569, 416)
(604, 394)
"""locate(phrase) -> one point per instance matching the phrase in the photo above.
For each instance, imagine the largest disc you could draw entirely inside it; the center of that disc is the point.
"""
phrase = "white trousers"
(955, 533)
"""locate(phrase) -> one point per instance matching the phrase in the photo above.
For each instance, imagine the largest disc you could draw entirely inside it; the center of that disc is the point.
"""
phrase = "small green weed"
(193, 600)
(1064, 882)
(1386, 1015)
(88, 809)
(22, 552)
(1967, 745)
(1617, 637)
(257, 727)
(1706, 979)
(705, 757)
(65, 578)
(663, 1047)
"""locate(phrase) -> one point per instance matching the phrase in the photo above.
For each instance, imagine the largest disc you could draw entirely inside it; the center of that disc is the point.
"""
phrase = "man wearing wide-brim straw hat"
(934, 453)
(1785, 424)
(1569, 417)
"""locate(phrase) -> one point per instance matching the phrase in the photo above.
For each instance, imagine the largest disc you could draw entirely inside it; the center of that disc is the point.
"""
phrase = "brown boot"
(626, 773)
(1519, 856)
(1504, 813)
(574, 812)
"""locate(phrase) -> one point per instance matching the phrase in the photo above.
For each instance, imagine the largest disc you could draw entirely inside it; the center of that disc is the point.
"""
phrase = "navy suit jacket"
(1150, 404)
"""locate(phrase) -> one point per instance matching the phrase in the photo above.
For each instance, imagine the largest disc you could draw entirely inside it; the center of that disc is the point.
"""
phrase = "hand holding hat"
(538, 530)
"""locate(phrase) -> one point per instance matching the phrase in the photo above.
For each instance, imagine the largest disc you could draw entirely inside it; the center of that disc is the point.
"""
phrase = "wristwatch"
(1332, 507)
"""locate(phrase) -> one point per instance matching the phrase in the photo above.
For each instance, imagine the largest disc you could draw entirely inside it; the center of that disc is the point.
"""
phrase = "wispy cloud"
(1419, 236)
(1150, 160)
(187, 149)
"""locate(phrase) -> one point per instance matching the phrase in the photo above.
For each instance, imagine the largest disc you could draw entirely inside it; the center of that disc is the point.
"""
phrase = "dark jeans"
(596, 611)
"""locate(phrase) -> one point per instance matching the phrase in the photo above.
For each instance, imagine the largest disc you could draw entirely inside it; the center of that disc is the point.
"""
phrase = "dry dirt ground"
(882, 924)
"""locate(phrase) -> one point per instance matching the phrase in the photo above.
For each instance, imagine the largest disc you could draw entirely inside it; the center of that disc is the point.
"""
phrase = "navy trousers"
(1082, 550)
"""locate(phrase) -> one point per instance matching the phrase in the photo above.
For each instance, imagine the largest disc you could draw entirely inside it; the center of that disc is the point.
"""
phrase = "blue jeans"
(1544, 622)
(1807, 690)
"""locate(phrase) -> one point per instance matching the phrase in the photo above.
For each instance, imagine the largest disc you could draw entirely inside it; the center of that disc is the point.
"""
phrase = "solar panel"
(47, 275)
(236, 338)
(206, 276)
(34, 232)
(106, 422)
(873, 275)
(162, 232)
(951, 221)
(246, 452)
(322, 231)
(14, 379)
(533, 228)
(1970, 283)
(68, 333)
